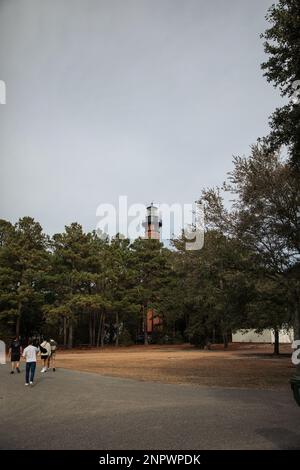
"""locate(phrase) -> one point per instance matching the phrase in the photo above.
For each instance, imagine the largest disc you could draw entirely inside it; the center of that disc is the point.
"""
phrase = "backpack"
(43, 350)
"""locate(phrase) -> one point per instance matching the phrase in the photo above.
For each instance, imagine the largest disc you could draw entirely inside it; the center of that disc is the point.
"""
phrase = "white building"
(267, 336)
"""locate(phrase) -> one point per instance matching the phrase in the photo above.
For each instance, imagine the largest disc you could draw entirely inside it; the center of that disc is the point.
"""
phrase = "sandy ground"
(242, 365)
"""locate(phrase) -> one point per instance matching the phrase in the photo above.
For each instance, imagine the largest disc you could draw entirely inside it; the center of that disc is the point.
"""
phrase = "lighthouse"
(152, 223)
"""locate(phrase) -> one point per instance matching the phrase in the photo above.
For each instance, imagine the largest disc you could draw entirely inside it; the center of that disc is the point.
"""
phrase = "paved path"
(78, 410)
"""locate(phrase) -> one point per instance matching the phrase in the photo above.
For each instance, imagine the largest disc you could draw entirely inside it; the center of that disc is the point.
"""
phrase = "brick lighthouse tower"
(152, 226)
(152, 223)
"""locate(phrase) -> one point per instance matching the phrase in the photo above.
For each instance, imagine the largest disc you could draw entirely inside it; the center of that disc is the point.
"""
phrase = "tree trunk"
(18, 326)
(145, 311)
(225, 340)
(90, 330)
(65, 331)
(70, 338)
(99, 330)
(296, 322)
(18, 321)
(224, 333)
(276, 341)
(103, 331)
(296, 325)
(117, 329)
(214, 335)
(94, 329)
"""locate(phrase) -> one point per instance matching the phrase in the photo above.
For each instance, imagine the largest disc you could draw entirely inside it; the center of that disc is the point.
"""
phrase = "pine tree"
(24, 262)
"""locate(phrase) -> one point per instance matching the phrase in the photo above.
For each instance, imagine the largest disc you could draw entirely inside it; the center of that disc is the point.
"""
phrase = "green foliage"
(24, 262)
(88, 290)
(282, 45)
(264, 219)
(125, 338)
(94, 291)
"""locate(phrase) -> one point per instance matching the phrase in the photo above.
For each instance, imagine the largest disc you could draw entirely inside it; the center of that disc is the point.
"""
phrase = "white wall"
(267, 336)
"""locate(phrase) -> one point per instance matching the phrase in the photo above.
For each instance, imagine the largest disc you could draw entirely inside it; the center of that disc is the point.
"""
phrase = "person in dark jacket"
(14, 353)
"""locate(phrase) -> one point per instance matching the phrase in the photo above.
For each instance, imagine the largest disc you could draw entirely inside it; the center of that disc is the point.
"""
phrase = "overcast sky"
(144, 98)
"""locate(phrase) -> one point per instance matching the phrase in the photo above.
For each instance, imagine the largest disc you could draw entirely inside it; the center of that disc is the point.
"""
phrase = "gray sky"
(144, 98)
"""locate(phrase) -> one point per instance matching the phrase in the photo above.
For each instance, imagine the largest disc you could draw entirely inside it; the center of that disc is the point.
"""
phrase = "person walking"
(51, 358)
(14, 353)
(45, 350)
(30, 353)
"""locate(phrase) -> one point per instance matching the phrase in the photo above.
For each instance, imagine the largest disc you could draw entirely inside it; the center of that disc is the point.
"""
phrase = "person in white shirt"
(45, 349)
(30, 353)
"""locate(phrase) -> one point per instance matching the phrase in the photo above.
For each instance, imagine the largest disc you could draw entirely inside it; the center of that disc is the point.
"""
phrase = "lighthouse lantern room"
(152, 223)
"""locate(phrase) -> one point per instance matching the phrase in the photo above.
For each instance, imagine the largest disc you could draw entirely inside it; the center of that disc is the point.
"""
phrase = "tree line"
(83, 289)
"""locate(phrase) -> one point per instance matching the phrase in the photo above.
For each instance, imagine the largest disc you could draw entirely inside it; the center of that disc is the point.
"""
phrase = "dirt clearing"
(242, 365)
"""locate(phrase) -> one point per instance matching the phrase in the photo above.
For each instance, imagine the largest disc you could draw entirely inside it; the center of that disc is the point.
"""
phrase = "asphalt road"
(77, 410)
